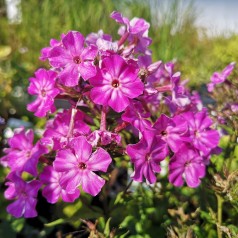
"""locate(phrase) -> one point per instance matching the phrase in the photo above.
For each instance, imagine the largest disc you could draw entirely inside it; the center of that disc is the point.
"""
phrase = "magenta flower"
(74, 59)
(46, 51)
(202, 137)
(218, 78)
(100, 137)
(44, 87)
(53, 189)
(146, 156)
(61, 131)
(22, 154)
(172, 131)
(136, 31)
(24, 193)
(92, 38)
(115, 84)
(79, 163)
(186, 164)
(135, 26)
(135, 114)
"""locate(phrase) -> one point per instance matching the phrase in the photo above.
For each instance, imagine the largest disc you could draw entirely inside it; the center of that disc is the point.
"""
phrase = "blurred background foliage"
(156, 211)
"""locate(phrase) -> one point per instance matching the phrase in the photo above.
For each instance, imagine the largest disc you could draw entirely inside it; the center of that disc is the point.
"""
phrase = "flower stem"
(103, 123)
(219, 215)
(71, 123)
(123, 39)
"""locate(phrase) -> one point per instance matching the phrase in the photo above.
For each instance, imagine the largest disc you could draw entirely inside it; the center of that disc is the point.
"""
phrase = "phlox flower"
(24, 194)
(136, 115)
(60, 131)
(100, 137)
(186, 164)
(135, 30)
(115, 84)
(73, 59)
(53, 189)
(79, 163)
(43, 85)
(22, 154)
(202, 136)
(218, 78)
(146, 156)
(172, 131)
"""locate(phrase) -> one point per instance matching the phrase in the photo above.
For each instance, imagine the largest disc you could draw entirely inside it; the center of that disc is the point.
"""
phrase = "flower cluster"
(116, 83)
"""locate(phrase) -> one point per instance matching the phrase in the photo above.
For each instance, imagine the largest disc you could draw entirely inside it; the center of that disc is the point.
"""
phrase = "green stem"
(219, 215)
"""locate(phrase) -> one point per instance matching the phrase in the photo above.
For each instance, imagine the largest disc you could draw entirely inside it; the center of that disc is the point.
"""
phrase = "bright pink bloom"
(92, 38)
(74, 59)
(115, 84)
(67, 125)
(24, 193)
(136, 31)
(135, 114)
(44, 87)
(202, 136)
(146, 156)
(172, 131)
(22, 154)
(187, 164)
(99, 137)
(218, 78)
(53, 189)
(79, 163)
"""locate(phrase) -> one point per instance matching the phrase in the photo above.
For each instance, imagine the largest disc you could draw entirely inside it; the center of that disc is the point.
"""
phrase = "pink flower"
(74, 59)
(218, 78)
(100, 137)
(44, 87)
(202, 136)
(146, 156)
(53, 189)
(66, 126)
(135, 114)
(136, 31)
(172, 131)
(24, 193)
(115, 84)
(187, 164)
(79, 163)
(22, 154)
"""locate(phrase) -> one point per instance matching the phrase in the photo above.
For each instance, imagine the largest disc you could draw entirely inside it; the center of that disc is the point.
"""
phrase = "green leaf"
(18, 224)
(54, 223)
(107, 227)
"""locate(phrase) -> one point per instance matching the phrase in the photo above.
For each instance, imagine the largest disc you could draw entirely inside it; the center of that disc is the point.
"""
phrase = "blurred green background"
(175, 37)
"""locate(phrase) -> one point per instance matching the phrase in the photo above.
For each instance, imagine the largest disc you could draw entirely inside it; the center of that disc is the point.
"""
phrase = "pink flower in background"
(218, 78)
(22, 154)
(172, 131)
(146, 156)
(135, 26)
(45, 51)
(115, 84)
(202, 137)
(24, 194)
(100, 137)
(73, 59)
(79, 163)
(136, 31)
(188, 165)
(92, 38)
(136, 115)
(53, 189)
(44, 87)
